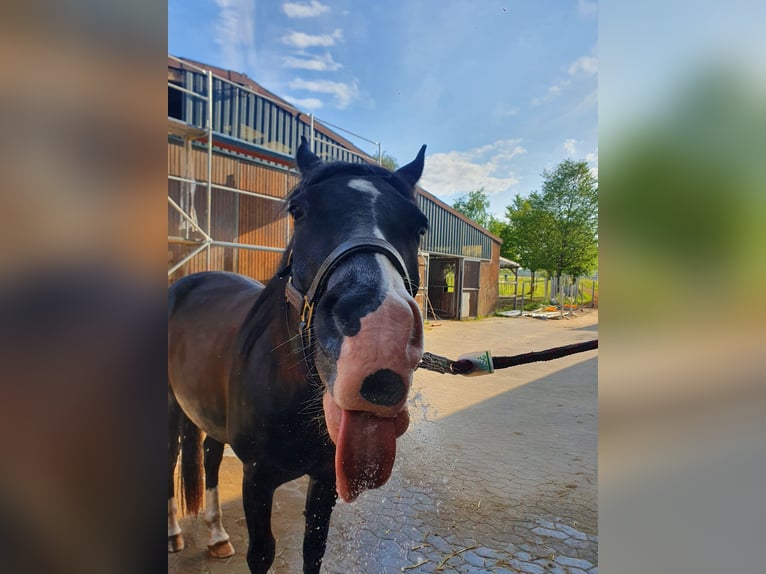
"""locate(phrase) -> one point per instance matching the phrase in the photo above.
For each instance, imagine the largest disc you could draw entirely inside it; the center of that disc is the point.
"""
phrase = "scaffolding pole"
(209, 162)
(188, 219)
(177, 266)
(190, 132)
(311, 132)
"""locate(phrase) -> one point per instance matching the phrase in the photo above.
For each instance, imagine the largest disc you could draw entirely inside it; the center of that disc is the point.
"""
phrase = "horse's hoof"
(175, 543)
(222, 549)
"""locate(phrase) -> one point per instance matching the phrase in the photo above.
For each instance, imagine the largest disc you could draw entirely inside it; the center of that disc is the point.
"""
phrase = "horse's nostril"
(384, 387)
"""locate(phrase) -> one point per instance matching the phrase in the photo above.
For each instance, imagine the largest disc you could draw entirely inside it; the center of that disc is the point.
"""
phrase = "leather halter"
(305, 302)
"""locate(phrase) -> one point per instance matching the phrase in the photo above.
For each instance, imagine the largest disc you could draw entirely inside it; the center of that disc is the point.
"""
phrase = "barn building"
(231, 149)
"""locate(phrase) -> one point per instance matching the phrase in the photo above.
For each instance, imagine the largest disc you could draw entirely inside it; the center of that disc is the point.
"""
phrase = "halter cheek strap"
(304, 303)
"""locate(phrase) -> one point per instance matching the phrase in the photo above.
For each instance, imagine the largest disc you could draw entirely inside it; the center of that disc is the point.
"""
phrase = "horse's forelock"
(333, 169)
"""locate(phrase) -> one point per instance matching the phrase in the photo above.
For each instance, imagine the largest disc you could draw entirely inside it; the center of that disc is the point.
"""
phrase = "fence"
(522, 293)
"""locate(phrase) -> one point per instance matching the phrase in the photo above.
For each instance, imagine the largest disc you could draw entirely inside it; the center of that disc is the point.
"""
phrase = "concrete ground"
(496, 474)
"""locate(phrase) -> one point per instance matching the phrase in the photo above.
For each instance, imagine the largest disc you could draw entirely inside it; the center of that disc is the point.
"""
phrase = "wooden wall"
(239, 218)
(235, 217)
(488, 283)
(420, 298)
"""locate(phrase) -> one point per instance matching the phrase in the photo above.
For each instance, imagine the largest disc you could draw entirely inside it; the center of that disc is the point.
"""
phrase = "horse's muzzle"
(383, 387)
(375, 366)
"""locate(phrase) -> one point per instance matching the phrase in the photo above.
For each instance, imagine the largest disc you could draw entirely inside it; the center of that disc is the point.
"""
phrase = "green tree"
(568, 206)
(475, 206)
(556, 230)
(524, 237)
(499, 227)
(388, 161)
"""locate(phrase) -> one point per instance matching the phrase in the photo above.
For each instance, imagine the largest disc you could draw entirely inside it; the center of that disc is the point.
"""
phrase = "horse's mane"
(329, 170)
(247, 335)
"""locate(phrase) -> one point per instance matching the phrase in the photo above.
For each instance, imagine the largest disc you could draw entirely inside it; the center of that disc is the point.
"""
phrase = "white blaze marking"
(365, 186)
(173, 526)
(393, 281)
(373, 193)
(213, 517)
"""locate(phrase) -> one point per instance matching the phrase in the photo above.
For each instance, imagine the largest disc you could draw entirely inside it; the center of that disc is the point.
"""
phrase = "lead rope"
(483, 363)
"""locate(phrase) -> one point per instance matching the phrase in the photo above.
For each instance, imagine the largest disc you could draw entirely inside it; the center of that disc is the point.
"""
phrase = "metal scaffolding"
(198, 235)
(214, 117)
(190, 133)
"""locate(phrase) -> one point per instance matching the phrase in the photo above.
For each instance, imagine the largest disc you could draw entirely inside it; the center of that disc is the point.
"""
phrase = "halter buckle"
(307, 313)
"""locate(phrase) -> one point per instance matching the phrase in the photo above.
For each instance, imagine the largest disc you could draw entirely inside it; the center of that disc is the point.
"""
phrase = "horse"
(309, 374)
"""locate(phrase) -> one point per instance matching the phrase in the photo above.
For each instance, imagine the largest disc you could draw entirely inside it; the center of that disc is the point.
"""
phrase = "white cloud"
(315, 63)
(235, 32)
(302, 40)
(586, 64)
(591, 99)
(592, 159)
(299, 10)
(456, 173)
(556, 89)
(582, 67)
(503, 110)
(553, 92)
(570, 146)
(344, 93)
(305, 103)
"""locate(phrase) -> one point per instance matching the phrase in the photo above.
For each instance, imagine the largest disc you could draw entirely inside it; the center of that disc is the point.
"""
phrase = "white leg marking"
(213, 517)
(173, 526)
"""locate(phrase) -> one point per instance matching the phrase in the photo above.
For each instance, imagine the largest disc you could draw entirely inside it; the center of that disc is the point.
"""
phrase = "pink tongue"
(365, 452)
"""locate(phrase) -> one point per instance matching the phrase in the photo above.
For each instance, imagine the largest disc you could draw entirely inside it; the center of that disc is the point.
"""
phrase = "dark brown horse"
(309, 374)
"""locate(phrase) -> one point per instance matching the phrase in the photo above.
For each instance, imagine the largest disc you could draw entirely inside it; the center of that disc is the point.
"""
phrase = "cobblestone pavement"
(496, 474)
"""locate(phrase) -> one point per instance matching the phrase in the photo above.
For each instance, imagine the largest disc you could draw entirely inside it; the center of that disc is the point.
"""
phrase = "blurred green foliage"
(685, 197)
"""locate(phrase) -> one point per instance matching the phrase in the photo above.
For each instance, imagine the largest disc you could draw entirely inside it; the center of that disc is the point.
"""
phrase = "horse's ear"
(412, 171)
(305, 158)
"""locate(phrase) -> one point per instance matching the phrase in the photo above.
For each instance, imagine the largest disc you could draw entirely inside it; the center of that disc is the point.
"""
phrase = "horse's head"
(355, 263)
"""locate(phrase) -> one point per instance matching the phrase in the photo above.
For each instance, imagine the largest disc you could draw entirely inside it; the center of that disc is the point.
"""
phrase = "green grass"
(507, 290)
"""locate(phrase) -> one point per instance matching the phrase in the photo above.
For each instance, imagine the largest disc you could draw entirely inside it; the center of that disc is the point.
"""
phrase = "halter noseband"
(304, 303)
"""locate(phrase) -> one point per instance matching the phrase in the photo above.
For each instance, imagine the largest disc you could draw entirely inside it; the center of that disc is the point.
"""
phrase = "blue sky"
(498, 90)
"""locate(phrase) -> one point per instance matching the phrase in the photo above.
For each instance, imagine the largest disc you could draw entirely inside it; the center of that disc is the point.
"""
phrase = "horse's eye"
(422, 231)
(297, 212)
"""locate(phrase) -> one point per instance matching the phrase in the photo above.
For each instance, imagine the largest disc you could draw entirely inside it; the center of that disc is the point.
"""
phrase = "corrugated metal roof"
(459, 215)
(247, 82)
(250, 84)
(507, 263)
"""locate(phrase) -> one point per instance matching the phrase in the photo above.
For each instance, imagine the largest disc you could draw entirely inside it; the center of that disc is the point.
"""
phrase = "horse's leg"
(320, 500)
(175, 539)
(257, 497)
(218, 544)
